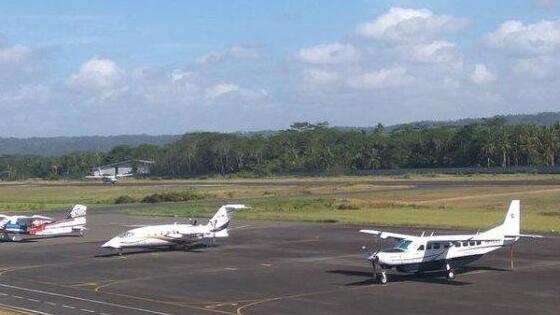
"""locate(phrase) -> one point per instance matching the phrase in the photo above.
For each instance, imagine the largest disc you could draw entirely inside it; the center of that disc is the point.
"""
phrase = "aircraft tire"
(450, 274)
(383, 278)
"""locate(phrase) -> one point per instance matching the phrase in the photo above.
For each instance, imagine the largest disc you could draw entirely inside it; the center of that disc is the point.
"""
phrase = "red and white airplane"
(17, 227)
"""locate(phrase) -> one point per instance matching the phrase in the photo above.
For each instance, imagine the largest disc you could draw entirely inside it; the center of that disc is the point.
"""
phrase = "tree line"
(308, 147)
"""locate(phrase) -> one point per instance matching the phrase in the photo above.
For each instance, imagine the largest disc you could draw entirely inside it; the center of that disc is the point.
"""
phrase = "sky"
(71, 68)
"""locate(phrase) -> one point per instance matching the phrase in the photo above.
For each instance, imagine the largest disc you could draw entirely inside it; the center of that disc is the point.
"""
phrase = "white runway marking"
(68, 306)
(86, 310)
(25, 310)
(83, 299)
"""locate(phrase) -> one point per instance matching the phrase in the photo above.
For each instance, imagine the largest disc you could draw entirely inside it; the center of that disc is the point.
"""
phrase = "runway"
(264, 267)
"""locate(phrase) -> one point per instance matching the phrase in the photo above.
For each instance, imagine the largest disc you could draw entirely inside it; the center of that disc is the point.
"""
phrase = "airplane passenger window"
(421, 247)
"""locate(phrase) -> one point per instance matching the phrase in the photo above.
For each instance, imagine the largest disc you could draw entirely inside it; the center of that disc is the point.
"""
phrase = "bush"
(172, 197)
(125, 199)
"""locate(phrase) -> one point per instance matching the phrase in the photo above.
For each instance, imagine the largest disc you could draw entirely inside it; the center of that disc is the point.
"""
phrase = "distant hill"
(540, 119)
(60, 145)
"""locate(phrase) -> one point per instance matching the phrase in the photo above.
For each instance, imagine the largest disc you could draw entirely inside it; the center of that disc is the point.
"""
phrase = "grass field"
(445, 202)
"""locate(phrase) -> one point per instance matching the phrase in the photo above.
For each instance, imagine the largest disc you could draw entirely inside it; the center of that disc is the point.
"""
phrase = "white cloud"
(403, 24)
(220, 89)
(438, 51)
(234, 52)
(540, 38)
(481, 74)
(328, 53)
(97, 73)
(391, 77)
(223, 89)
(15, 53)
(540, 67)
(317, 76)
(178, 74)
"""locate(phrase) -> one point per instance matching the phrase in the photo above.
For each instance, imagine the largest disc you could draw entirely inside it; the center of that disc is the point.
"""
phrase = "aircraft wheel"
(450, 274)
(383, 278)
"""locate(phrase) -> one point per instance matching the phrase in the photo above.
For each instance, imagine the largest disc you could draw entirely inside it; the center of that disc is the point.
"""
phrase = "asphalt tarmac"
(264, 267)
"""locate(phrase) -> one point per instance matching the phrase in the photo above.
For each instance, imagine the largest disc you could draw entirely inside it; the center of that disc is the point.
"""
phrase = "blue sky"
(71, 67)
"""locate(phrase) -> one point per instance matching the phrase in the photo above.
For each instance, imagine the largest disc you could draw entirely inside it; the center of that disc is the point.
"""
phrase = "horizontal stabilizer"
(525, 235)
(221, 234)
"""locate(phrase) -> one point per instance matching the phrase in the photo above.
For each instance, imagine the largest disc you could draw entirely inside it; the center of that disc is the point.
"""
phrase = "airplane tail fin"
(78, 211)
(221, 219)
(511, 225)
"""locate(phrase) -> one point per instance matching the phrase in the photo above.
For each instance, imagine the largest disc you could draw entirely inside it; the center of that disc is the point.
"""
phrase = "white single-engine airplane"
(107, 178)
(416, 254)
(15, 227)
(172, 235)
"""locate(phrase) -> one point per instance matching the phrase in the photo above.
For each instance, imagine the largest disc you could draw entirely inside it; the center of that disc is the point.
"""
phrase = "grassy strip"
(342, 211)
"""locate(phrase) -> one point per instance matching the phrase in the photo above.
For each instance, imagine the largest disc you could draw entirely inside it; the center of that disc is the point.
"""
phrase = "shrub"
(172, 197)
(125, 199)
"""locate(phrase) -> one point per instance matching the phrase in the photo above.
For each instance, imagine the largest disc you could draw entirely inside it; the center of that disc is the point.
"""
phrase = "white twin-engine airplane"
(416, 254)
(15, 227)
(108, 179)
(172, 235)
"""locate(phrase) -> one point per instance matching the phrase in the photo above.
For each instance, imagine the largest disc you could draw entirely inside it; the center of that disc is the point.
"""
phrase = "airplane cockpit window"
(403, 244)
(429, 246)
(457, 244)
(478, 242)
(465, 243)
(420, 248)
(436, 245)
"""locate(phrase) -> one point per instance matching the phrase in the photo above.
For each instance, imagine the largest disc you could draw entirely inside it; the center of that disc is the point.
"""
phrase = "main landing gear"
(450, 272)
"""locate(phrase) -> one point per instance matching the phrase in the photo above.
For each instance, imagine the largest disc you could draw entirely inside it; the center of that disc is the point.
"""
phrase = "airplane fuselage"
(431, 253)
(162, 235)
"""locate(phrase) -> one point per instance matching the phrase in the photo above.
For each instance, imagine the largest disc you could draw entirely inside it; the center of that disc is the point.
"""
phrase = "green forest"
(316, 147)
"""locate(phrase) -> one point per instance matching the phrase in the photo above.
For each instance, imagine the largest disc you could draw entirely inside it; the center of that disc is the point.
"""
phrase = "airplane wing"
(385, 235)
(35, 216)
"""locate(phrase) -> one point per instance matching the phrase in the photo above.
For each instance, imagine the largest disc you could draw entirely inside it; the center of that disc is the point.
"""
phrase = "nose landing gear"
(380, 277)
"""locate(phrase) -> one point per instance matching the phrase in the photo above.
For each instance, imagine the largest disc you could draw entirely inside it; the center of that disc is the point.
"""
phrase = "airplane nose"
(112, 243)
(374, 257)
